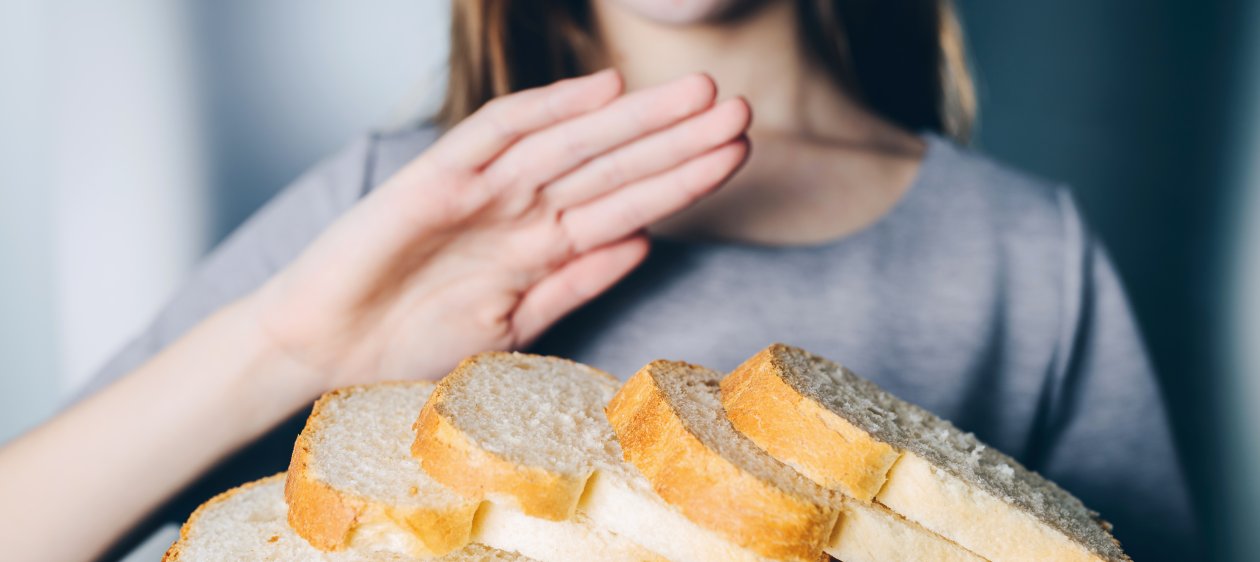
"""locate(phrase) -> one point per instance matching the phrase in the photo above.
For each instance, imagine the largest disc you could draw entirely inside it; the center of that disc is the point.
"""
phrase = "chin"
(683, 12)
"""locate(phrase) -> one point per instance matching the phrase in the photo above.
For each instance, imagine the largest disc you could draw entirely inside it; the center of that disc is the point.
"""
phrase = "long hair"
(903, 60)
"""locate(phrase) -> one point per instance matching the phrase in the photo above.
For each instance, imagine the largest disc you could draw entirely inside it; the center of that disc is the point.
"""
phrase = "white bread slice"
(873, 533)
(529, 433)
(847, 434)
(352, 479)
(671, 422)
(353, 482)
(249, 523)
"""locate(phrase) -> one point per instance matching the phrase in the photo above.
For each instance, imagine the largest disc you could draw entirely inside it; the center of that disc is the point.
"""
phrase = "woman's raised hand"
(524, 211)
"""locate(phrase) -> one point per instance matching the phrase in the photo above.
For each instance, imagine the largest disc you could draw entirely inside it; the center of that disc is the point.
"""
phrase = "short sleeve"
(1107, 435)
(255, 251)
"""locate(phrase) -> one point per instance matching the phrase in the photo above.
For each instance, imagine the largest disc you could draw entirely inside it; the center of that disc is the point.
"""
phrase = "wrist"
(267, 383)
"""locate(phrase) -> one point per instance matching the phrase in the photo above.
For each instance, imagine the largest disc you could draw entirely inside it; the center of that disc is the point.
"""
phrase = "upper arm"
(1106, 430)
(256, 250)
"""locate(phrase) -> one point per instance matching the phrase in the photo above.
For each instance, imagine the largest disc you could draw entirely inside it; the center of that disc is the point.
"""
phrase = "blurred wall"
(128, 175)
(137, 133)
(28, 350)
(287, 82)
(1240, 390)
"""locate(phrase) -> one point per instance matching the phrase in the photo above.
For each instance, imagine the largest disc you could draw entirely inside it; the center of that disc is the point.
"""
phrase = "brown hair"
(905, 60)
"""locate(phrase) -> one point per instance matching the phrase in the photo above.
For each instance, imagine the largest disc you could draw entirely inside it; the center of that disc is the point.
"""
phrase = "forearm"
(74, 485)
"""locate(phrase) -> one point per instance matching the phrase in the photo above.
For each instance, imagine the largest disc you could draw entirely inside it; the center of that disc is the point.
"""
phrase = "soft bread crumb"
(526, 433)
(873, 533)
(361, 444)
(575, 540)
(352, 479)
(543, 412)
(629, 507)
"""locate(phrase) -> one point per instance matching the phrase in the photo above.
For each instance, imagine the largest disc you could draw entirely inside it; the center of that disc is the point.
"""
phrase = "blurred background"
(134, 134)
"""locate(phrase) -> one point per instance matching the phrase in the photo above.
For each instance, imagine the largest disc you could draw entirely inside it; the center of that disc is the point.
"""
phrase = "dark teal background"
(1132, 104)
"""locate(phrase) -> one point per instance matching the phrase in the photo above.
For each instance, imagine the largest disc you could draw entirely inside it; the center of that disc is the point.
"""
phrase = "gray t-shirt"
(980, 296)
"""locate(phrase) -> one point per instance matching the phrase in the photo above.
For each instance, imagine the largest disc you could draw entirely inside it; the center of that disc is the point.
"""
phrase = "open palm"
(525, 210)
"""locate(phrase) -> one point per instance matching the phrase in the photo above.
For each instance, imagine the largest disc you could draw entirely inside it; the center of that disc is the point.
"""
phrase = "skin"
(523, 212)
(823, 167)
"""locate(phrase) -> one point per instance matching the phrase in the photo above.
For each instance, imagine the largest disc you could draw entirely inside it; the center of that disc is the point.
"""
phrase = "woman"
(854, 229)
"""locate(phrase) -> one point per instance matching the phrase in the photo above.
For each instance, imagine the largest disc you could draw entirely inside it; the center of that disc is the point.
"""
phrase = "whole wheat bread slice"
(671, 423)
(249, 523)
(848, 435)
(529, 434)
(353, 481)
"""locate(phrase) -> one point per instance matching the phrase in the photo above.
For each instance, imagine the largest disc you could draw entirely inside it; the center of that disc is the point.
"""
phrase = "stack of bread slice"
(524, 457)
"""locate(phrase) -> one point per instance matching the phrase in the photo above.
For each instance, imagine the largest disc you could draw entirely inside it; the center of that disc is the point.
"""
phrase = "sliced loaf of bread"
(670, 421)
(847, 434)
(353, 482)
(249, 523)
(529, 434)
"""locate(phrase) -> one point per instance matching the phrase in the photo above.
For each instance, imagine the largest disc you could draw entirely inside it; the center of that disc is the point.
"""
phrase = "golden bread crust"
(777, 418)
(783, 417)
(328, 517)
(318, 512)
(708, 489)
(449, 456)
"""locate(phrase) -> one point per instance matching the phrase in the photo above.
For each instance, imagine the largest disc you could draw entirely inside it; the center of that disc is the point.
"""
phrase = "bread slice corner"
(849, 435)
(352, 481)
(670, 423)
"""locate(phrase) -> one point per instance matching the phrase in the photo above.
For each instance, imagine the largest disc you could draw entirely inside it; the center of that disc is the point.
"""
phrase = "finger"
(575, 283)
(541, 157)
(639, 204)
(502, 121)
(652, 154)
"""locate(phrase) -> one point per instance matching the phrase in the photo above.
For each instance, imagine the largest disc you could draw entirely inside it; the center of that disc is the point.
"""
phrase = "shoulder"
(1014, 237)
(977, 179)
(1014, 207)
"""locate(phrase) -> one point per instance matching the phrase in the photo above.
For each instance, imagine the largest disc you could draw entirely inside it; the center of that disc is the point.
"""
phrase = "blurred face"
(683, 12)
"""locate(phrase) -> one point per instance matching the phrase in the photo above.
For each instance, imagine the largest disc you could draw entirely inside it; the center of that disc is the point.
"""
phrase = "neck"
(822, 165)
(758, 56)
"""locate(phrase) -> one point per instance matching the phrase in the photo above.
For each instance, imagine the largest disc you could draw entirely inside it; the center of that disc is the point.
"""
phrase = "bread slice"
(672, 425)
(353, 482)
(847, 434)
(873, 533)
(529, 434)
(249, 523)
